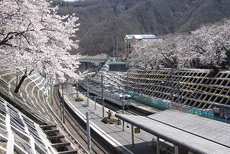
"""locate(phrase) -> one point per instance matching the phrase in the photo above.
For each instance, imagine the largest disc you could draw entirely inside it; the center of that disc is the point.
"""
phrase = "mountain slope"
(105, 21)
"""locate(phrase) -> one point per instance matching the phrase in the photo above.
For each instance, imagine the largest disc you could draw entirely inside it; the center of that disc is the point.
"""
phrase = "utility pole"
(117, 46)
(127, 81)
(127, 54)
(102, 95)
(132, 135)
(158, 145)
(77, 89)
(87, 101)
(88, 132)
(123, 111)
(113, 47)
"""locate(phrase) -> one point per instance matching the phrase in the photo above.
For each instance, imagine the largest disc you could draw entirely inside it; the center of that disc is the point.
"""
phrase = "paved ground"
(113, 133)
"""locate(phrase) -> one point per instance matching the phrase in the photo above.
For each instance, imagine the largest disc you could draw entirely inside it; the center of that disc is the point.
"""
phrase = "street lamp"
(102, 95)
(88, 131)
(123, 110)
(123, 99)
(95, 100)
(87, 101)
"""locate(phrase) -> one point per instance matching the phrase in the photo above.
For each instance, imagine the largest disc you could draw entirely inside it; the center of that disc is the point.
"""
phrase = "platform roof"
(97, 58)
(140, 36)
(197, 134)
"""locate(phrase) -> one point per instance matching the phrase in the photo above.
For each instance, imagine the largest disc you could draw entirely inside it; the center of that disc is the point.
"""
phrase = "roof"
(140, 36)
(116, 62)
(197, 134)
(97, 58)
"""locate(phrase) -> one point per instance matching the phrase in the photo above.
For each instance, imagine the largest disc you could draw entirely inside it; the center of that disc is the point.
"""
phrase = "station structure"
(188, 112)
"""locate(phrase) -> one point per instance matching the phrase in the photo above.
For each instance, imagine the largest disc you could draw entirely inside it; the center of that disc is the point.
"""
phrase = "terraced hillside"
(31, 96)
(28, 124)
(187, 88)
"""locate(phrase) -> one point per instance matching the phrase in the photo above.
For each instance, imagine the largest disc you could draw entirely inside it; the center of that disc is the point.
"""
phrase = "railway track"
(74, 127)
(77, 128)
(80, 149)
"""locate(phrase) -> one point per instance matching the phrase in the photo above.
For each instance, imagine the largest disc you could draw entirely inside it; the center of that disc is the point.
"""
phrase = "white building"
(131, 40)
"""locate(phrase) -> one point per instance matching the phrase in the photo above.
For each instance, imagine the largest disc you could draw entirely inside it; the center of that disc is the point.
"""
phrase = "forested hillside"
(105, 21)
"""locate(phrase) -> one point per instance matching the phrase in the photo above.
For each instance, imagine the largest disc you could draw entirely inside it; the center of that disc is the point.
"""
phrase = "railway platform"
(144, 108)
(112, 134)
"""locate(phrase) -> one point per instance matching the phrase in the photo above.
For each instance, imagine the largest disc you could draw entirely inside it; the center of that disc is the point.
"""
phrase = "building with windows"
(131, 40)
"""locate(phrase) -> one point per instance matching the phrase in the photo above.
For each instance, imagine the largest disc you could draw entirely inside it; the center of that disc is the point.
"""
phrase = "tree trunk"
(20, 83)
(22, 80)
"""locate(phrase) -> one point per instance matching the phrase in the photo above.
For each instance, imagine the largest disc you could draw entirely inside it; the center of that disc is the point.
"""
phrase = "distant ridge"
(103, 22)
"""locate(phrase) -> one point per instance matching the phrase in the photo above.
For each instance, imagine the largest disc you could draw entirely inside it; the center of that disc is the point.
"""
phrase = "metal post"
(171, 92)
(61, 100)
(87, 101)
(117, 47)
(123, 111)
(127, 80)
(77, 89)
(179, 93)
(123, 106)
(102, 95)
(158, 145)
(88, 132)
(138, 87)
(128, 51)
(132, 135)
(63, 105)
(176, 149)
(113, 47)
(122, 49)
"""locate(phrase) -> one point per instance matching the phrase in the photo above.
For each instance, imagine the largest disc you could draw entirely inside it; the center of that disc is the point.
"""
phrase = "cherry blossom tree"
(35, 37)
(160, 52)
(176, 52)
(146, 54)
(209, 45)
